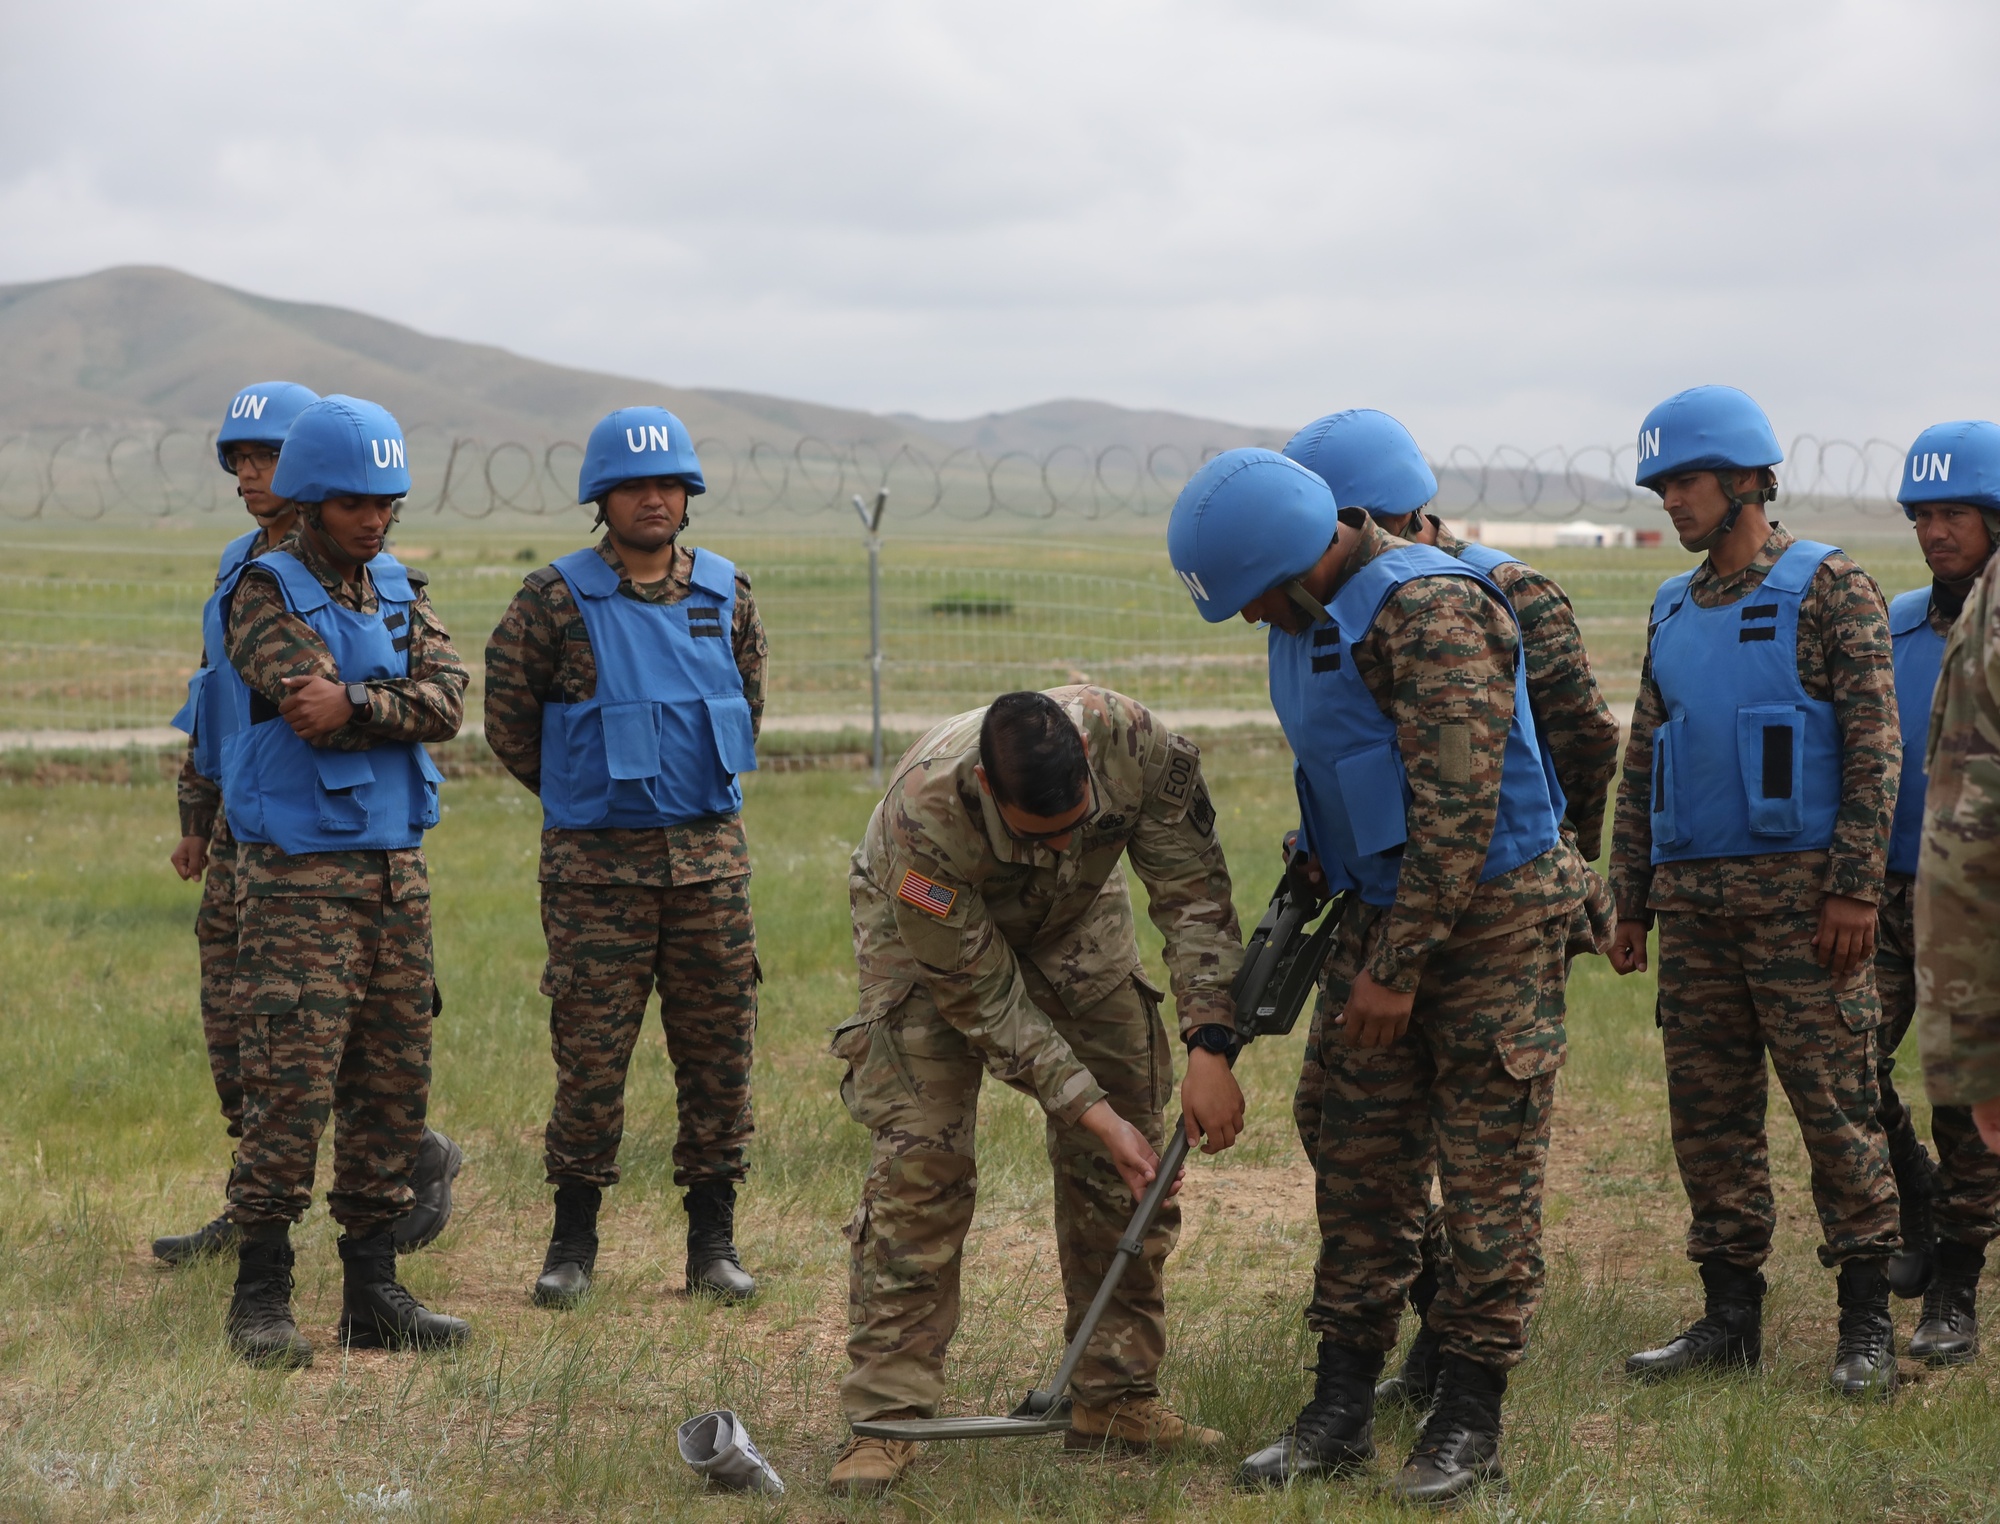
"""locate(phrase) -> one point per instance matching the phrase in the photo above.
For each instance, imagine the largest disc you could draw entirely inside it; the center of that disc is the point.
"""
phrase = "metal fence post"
(871, 521)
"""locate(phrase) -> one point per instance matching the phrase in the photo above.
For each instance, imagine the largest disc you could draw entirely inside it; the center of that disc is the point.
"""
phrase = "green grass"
(118, 1400)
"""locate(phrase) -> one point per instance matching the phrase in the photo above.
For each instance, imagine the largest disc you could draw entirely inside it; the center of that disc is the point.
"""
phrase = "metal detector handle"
(1130, 1246)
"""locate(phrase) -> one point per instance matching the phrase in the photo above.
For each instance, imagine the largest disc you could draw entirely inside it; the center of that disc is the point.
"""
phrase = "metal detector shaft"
(1130, 1247)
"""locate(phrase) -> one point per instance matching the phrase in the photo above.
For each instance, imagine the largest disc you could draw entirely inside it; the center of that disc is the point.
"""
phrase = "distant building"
(1518, 534)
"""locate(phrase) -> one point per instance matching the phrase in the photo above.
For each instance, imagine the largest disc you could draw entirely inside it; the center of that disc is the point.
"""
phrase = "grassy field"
(98, 623)
(118, 1399)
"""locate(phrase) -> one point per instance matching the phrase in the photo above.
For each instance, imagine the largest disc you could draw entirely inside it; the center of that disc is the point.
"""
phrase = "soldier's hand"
(1986, 1117)
(1376, 1016)
(1131, 1155)
(1846, 936)
(190, 857)
(1211, 1101)
(315, 708)
(1628, 947)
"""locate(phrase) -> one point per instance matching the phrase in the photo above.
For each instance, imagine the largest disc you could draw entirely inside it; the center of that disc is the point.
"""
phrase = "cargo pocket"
(1159, 1051)
(190, 712)
(735, 741)
(259, 1001)
(1860, 1002)
(1668, 829)
(342, 775)
(631, 740)
(424, 806)
(556, 979)
(1535, 1057)
(1770, 750)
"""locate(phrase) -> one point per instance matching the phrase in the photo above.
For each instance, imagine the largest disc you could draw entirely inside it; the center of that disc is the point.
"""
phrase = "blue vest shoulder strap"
(1909, 612)
(1669, 597)
(239, 550)
(588, 573)
(1485, 557)
(714, 574)
(392, 581)
(1794, 570)
(1361, 599)
(303, 592)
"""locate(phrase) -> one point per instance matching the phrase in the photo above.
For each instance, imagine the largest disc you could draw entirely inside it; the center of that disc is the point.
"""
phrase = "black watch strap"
(364, 706)
(1212, 1037)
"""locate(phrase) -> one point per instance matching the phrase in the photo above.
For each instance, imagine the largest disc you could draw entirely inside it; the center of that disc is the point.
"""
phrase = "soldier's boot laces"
(572, 1256)
(377, 1311)
(438, 1162)
(1864, 1360)
(1948, 1331)
(211, 1238)
(1730, 1331)
(713, 1266)
(1334, 1432)
(1911, 1269)
(260, 1325)
(1459, 1449)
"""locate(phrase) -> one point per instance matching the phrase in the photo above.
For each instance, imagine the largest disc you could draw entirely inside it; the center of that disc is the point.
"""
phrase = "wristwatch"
(364, 706)
(1211, 1037)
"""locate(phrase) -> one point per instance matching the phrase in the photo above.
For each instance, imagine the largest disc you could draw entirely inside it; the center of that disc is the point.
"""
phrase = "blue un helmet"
(261, 414)
(1246, 522)
(1369, 461)
(637, 441)
(1953, 463)
(1705, 428)
(342, 445)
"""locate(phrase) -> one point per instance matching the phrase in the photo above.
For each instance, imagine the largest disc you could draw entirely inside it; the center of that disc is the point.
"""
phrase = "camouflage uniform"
(1957, 888)
(625, 909)
(978, 952)
(215, 935)
(1468, 1089)
(333, 968)
(1737, 973)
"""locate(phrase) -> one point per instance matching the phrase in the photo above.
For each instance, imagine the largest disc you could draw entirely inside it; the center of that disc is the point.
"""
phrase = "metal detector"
(1280, 968)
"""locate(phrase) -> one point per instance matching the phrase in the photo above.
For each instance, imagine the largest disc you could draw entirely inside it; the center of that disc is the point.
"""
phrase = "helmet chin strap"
(1737, 503)
(1313, 608)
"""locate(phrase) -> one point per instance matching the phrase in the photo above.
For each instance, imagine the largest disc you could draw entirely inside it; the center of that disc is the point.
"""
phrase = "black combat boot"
(1911, 1268)
(211, 1238)
(1729, 1332)
(260, 1323)
(1334, 1432)
(565, 1277)
(713, 1267)
(1411, 1387)
(1864, 1361)
(1948, 1332)
(438, 1163)
(1460, 1446)
(376, 1312)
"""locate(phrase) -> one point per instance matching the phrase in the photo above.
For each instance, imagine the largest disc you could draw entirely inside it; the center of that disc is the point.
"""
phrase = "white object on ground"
(719, 1447)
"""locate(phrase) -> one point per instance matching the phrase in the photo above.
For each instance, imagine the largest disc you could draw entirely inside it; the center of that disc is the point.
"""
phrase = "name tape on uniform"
(917, 890)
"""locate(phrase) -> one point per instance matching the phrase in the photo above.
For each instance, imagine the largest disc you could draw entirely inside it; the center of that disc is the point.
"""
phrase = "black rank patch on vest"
(1754, 632)
(393, 622)
(705, 619)
(1326, 649)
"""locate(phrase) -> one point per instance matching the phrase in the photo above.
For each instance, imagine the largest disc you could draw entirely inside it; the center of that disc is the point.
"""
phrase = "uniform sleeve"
(1574, 720)
(429, 704)
(753, 653)
(1853, 627)
(1175, 852)
(976, 983)
(1632, 820)
(267, 643)
(199, 798)
(1448, 650)
(521, 659)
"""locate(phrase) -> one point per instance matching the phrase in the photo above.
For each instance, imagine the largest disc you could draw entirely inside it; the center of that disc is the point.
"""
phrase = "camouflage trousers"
(913, 1081)
(336, 999)
(1968, 1198)
(1467, 1091)
(608, 945)
(215, 939)
(1732, 989)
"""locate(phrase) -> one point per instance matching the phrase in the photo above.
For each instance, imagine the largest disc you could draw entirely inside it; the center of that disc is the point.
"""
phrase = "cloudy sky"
(1508, 222)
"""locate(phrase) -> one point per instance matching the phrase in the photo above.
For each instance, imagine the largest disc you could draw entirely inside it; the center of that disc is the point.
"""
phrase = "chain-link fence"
(95, 474)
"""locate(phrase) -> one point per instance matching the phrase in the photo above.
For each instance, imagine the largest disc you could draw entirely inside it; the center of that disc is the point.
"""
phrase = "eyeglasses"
(251, 457)
(1036, 838)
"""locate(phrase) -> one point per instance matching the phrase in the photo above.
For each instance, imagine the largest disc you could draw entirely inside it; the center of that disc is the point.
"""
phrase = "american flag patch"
(917, 890)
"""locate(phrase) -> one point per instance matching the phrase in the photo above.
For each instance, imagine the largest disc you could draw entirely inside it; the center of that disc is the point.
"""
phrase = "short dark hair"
(1033, 755)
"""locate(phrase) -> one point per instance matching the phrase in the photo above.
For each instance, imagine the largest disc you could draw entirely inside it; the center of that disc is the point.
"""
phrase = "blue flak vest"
(1483, 558)
(1746, 762)
(668, 729)
(279, 790)
(1919, 656)
(1354, 794)
(218, 702)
